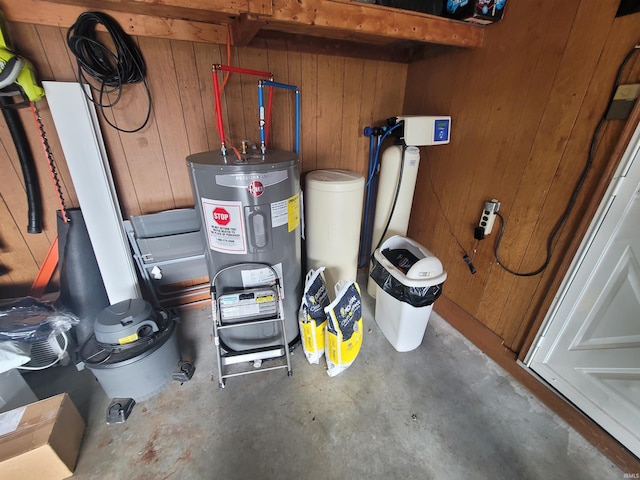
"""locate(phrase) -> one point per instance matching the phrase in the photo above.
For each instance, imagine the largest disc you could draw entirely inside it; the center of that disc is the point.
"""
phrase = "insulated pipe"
(27, 164)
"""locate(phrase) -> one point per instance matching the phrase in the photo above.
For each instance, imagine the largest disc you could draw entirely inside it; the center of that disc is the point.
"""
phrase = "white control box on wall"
(424, 130)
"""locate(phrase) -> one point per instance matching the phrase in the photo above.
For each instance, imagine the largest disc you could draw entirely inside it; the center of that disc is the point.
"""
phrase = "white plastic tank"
(387, 184)
(333, 202)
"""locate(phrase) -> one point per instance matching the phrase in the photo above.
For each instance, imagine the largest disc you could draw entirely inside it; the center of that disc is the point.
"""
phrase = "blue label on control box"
(441, 131)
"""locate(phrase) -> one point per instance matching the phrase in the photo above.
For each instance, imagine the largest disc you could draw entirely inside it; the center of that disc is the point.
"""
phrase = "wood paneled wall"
(339, 97)
(524, 110)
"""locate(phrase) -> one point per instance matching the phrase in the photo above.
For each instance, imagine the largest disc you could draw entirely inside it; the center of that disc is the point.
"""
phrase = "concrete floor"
(443, 411)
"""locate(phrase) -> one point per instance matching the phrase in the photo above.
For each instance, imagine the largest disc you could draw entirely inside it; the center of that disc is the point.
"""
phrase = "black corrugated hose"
(27, 164)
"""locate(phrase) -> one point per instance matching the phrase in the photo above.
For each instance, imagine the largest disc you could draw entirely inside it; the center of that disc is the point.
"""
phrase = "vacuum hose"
(26, 162)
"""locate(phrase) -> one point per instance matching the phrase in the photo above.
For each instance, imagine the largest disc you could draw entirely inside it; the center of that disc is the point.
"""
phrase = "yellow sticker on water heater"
(293, 211)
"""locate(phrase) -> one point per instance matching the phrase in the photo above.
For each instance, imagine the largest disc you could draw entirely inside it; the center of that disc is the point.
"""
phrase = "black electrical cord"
(393, 205)
(574, 196)
(465, 255)
(110, 69)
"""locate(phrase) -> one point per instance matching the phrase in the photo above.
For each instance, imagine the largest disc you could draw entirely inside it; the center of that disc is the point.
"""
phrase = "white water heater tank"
(387, 185)
(333, 202)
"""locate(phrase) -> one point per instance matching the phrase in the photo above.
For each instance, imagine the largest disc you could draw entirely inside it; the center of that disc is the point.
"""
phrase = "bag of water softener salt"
(312, 317)
(344, 327)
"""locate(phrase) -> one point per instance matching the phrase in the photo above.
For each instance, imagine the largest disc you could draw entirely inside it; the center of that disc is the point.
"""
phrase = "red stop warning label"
(221, 216)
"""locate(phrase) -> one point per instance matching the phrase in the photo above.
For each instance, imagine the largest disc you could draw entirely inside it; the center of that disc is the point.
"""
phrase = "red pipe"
(229, 68)
(216, 95)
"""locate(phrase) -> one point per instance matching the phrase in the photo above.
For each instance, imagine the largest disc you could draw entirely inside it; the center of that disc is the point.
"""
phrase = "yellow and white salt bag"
(312, 317)
(344, 327)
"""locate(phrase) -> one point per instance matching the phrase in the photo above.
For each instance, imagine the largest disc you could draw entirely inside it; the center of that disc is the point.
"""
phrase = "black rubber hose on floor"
(29, 174)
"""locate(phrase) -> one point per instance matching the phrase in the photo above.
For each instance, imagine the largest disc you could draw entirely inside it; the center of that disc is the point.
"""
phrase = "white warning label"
(279, 213)
(262, 276)
(225, 226)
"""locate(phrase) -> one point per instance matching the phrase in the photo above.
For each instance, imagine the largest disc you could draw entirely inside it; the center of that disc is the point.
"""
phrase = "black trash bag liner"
(414, 296)
(401, 258)
(30, 320)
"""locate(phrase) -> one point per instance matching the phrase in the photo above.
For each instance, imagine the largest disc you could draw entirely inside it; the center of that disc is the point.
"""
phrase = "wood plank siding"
(524, 110)
(525, 96)
(339, 97)
(524, 107)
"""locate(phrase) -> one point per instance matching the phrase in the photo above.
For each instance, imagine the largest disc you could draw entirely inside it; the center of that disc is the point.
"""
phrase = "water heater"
(250, 212)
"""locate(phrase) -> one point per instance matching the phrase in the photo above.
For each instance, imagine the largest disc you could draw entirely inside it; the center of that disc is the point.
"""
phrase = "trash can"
(409, 280)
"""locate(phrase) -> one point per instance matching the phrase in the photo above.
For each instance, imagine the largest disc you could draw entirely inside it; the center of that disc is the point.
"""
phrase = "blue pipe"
(297, 122)
(373, 192)
(365, 231)
(377, 159)
(271, 83)
(263, 147)
(374, 195)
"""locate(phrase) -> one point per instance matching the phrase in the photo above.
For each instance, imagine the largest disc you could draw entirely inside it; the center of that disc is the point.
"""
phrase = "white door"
(589, 349)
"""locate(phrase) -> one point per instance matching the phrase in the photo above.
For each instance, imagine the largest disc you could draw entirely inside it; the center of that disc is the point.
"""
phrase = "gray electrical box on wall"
(623, 101)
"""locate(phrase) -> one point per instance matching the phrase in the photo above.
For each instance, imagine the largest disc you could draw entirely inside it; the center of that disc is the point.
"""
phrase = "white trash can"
(409, 280)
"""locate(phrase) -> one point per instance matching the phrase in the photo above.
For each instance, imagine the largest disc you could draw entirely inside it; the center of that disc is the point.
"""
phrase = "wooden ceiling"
(343, 27)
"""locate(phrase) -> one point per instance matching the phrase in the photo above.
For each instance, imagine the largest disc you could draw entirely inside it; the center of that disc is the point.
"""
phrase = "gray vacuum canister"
(250, 212)
(125, 322)
(134, 350)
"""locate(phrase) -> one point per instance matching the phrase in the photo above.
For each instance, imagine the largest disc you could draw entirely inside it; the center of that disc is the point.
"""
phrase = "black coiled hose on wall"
(31, 185)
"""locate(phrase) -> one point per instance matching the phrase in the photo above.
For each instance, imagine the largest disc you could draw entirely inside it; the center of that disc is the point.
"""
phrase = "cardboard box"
(42, 441)
(475, 11)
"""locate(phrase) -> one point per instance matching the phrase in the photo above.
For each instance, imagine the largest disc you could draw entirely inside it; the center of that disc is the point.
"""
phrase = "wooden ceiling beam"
(340, 27)
(244, 28)
(207, 11)
(274, 40)
(368, 19)
(41, 12)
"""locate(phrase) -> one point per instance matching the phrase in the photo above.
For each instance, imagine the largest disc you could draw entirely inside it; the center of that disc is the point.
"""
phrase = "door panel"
(610, 324)
(590, 348)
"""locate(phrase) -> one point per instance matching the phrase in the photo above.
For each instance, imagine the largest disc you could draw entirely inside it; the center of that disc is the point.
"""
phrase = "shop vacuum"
(134, 354)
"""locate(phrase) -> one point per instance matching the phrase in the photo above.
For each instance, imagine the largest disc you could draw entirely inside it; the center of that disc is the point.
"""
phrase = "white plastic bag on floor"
(14, 354)
(344, 327)
(312, 317)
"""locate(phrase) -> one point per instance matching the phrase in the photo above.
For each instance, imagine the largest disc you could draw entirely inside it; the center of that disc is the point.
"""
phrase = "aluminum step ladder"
(243, 307)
